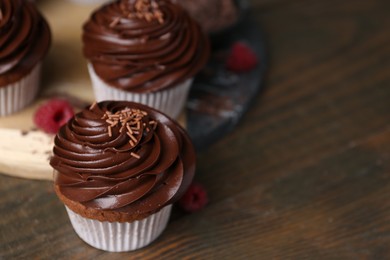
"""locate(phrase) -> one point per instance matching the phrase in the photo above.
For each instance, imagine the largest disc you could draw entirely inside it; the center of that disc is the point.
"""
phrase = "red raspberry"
(52, 115)
(194, 199)
(241, 58)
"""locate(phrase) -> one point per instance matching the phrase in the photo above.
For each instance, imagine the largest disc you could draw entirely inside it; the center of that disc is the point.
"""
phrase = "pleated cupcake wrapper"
(18, 95)
(120, 237)
(169, 101)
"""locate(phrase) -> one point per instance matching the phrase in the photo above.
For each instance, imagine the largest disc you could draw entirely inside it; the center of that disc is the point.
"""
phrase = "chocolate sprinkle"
(144, 9)
(129, 120)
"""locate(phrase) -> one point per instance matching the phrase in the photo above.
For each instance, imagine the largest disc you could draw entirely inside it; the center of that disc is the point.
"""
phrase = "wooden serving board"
(24, 150)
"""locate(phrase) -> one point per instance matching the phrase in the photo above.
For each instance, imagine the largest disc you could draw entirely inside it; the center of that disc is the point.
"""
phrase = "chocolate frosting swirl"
(144, 49)
(24, 39)
(107, 169)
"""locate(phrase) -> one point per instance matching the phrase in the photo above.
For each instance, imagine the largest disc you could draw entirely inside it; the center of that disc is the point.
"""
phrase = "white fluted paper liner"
(169, 101)
(18, 95)
(120, 237)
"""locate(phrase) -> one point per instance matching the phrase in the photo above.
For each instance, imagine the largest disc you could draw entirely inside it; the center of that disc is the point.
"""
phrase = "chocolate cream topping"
(24, 39)
(144, 45)
(122, 156)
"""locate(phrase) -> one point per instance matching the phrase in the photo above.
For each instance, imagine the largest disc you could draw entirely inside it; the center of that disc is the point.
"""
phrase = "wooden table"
(306, 174)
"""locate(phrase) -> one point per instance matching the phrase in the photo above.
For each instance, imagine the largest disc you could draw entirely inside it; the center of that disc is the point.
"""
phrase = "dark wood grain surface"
(305, 175)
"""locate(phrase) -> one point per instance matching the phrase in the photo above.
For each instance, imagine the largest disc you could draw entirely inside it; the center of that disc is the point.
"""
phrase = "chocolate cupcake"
(119, 166)
(24, 41)
(144, 51)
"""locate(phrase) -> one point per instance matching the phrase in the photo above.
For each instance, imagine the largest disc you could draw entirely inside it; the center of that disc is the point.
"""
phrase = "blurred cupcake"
(144, 51)
(24, 41)
(213, 15)
(119, 166)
